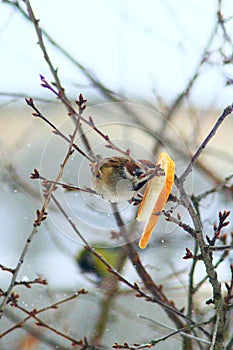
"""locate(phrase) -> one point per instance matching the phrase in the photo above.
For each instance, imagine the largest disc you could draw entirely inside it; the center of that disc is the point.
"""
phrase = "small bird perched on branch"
(119, 179)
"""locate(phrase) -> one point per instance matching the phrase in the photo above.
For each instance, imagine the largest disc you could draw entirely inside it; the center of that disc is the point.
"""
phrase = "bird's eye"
(139, 172)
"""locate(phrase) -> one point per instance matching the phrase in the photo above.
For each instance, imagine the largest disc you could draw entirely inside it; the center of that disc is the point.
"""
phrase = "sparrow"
(118, 179)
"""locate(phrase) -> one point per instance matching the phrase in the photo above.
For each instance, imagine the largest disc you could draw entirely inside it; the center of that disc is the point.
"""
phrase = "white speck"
(23, 302)
(28, 145)
(162, 241)
(25, 279)
(15, 191)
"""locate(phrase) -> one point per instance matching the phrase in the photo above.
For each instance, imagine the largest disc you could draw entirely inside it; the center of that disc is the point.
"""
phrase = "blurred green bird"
(89, 263)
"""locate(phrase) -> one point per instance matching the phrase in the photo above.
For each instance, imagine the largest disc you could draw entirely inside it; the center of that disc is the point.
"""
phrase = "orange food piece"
(28, 343)
(155, 198)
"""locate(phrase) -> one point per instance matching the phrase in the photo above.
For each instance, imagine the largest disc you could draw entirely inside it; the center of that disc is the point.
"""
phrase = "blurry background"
(139, 50)
(141, 66)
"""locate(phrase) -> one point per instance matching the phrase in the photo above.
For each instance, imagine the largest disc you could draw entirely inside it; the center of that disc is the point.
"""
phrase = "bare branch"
(227, 111)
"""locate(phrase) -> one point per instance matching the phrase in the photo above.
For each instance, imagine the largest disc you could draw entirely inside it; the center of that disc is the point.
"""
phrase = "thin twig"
(42, 323)
(108, 301)
(41, 216)
(21, 95)
(207, 259)
(154, 342)
(56, 131)
(180, 223)
(220, 248)
(186, 91)
(53, 306)
(220, 187)
(35, 332)
(53, 70)
(90, 122)
(220, 260)
(227, 111)
(41, 43)
(16, 270)
(45, 181)
(180, 331)
(135, 287)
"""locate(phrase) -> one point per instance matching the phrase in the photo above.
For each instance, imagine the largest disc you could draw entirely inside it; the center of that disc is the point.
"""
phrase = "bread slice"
(155, 198)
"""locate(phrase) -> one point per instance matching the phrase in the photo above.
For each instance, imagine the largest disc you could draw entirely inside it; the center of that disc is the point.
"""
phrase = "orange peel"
(155, 198)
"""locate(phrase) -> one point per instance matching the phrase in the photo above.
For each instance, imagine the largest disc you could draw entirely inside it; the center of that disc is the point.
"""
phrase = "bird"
(89, 263)
(118, 178)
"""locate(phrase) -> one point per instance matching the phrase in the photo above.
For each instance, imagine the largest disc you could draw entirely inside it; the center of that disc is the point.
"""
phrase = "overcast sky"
(133, 47)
